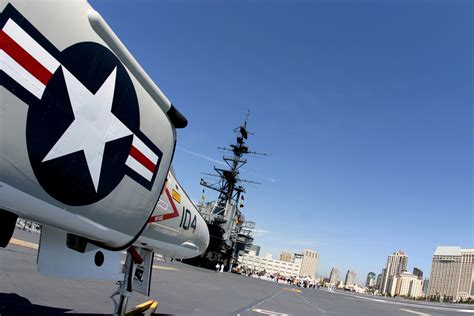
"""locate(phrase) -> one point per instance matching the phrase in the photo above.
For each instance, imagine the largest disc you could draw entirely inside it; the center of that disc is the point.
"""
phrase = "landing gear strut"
(137, 279)
(125, 286)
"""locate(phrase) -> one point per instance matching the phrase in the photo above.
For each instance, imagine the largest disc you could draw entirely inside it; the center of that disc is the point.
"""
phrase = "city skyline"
(421, 274)
(371, 138)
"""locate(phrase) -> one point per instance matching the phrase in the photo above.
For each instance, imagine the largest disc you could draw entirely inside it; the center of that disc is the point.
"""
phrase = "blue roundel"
(79, 135)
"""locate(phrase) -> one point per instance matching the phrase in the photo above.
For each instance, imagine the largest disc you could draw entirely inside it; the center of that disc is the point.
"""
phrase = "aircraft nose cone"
(202, 235)
(200, 240)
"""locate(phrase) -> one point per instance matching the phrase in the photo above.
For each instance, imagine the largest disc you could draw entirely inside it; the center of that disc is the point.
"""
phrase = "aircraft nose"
(201, 235)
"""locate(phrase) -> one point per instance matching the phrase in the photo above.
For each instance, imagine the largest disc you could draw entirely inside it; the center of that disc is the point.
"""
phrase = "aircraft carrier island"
(230, 232)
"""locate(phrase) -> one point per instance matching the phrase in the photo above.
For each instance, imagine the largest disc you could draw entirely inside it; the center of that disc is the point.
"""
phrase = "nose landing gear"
(136, 278)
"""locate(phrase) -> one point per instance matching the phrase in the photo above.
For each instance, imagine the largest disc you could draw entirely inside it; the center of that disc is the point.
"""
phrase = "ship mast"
(229, 184)
(229, 231)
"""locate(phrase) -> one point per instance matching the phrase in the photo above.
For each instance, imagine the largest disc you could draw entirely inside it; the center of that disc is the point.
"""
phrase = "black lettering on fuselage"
(186, 222)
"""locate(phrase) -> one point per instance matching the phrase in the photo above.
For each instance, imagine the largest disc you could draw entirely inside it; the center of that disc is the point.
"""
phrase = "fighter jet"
(86, 144)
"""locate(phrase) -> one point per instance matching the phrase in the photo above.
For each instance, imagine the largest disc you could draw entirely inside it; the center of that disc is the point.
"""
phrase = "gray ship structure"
(230, 232)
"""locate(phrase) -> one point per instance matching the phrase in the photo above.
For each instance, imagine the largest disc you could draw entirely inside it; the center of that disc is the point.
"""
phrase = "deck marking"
(22, 243)
(414, 312)
(441, 308)
(164, 268)
(312, 304)
(265, 312)
(254, 304)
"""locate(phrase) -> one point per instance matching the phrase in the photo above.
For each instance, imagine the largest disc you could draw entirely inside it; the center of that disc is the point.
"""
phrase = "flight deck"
(183, 290)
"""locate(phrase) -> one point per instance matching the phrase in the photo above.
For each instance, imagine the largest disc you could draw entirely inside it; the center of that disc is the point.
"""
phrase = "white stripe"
(139, 168)
(407, 304)
(262, 311)
(138, 144)
(30, 45)
(414, 312)
(21, 75)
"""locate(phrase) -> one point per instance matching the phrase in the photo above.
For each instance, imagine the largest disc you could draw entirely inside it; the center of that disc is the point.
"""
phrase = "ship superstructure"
(230, 232)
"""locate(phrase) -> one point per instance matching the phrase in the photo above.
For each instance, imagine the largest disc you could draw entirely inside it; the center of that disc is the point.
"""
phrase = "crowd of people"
(294, 280)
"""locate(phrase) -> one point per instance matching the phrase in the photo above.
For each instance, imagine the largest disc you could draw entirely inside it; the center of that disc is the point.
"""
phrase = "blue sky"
(365, 108)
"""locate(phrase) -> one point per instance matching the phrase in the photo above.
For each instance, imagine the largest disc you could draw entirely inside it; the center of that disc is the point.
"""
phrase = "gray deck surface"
(184, 290)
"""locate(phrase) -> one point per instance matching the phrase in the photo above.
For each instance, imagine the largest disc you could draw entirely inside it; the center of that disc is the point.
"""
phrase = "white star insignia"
(94, 124)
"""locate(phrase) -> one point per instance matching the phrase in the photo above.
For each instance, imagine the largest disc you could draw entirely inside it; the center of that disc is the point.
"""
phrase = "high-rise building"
(286, 256)
(396, 264)
(334, 276)
(309, 263)
(405, 284)
(383, 275)
(418, 273)
(445, 273)
(466, 280)
(379, 281)
(298, 258)
(350, 278)
(426, 284)
(371, 280)
(256, 249)
(452, 274)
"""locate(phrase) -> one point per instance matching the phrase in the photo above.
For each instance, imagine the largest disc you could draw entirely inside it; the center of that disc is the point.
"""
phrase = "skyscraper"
(396, 264)
(426, 284)
(379, 281)
(418, 273)
(371, 281)
(383, 275)
(350, 278)
(452, 274)
(309, 263)
(334, 276)
(466, 280)
(286, 256)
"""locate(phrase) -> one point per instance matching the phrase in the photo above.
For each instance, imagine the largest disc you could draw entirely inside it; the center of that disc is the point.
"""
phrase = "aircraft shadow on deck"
(12, 304)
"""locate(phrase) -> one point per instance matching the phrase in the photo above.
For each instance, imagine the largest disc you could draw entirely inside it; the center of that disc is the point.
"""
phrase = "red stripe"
(164, 217)
(155, 218)
(141, 158)
(175, 211)
(23, 58)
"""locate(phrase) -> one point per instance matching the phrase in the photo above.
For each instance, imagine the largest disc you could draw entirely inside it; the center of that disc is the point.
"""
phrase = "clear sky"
(364, 106)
